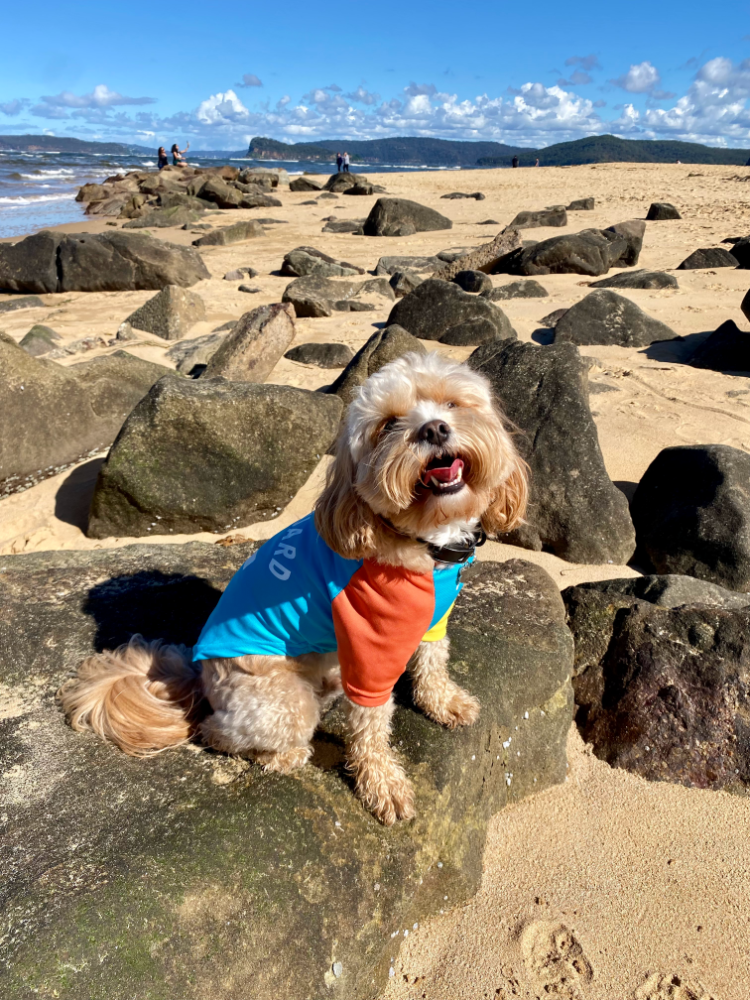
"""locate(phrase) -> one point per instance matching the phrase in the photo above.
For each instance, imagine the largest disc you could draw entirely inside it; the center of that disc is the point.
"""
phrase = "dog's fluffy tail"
(144, 696)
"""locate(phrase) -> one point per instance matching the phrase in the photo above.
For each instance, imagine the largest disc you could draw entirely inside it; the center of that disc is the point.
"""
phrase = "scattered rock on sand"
(401, 217)
(489, 222)
(575, 511)
(485, 257)
(109, 262)
(209, 455)
(403, 282)
(509, 636)
(708, 257)
(543, 217)
(239, 273)
(591, 252)
(474, 281)
(162, 218)
(691, 512)
(390, 265)
(316, 296)
(633, 231)
(582, 205)
(637, 279)
(40, 340)
(308, 260)
(250, 352)
(344, 226)
(440, 310)
(249, 229)
(170, 314)
(529, 289)
(21, 302)
(660, 691)
(661, 211)
(727, 349)
(193, 354)
(362, 188)
(52, 416)
(383, 346)
(305, 184)
(604, 317)
(321, 355)
(248, 289)
(476, 195)
(339, 183)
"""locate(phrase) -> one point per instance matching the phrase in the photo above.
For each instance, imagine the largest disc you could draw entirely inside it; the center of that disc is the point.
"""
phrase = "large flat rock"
(191, 875)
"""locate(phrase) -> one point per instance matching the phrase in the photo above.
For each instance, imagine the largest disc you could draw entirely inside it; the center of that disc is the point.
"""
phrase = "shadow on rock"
(544, 336)
(679, 350)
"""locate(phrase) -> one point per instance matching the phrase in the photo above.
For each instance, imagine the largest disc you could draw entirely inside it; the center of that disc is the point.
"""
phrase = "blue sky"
(524, 74)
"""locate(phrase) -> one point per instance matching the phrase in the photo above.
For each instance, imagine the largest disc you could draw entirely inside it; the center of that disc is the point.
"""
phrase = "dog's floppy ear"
(344, 521)
(507, 510)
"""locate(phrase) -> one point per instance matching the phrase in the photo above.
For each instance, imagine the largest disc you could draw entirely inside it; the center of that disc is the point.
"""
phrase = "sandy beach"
(606, 887)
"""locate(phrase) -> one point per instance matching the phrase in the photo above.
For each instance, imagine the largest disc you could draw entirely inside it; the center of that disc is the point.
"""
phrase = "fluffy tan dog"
(423, 461)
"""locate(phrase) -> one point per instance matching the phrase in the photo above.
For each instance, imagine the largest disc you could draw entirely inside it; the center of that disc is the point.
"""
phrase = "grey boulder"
(21, 302)
(316, 296)
(591, 252)
(391, 265)
(691, 512)
(633, 232)
(455, 195)
(575, 511)
(344, 226)
(637, 279)
(519, 290)
(604, 317)
(40, 340)
(383, 346)
(582, 205)
(440, 310)
(321, 355)
(304, 184)
(403, 282)
(708, 257)
(474, 281)
(163, 218)
(543, 217)
(661, 211)
(190, 357)
(400, 217)
(307, 260)
(170, 314)
(249, 353)
(248, 229)
(210, 455)
(340, 183)
(109, 262)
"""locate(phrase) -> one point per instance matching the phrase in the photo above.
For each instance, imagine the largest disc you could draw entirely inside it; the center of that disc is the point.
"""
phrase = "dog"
(342, 602)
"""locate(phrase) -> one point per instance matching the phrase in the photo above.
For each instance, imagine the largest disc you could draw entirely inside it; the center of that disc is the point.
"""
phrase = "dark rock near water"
(209, 455)
(305, 184)
(361, 188)
(52, 416)
(582, 205)
(575, 511)
(474, 281)
(691, 512)
(591, 252)
(228, 882)
(400, 217)
(662, 691)
(340, 183)
(708, 257)
(321, 355)
(519, 290)
(727, 349)
(604, 317)
(633, 232)
(440, 310)
(249, 229)
(383, 346)
(163, 218)
(308, 260)
(316, 296)
(21, 302)
(249, 353)
(544, 217)
(109, 262)
(660, 211)
(637, 279)
(170, 314)
(40, 340)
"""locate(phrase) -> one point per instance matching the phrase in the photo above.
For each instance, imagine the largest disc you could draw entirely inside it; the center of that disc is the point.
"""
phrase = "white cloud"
(100, 97)
(362, 96)
(250, 80)
(15, 107)
(222, 109)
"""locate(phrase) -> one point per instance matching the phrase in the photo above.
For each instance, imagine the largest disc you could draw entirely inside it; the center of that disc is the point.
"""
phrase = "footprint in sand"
(553, 956)
(670, 987)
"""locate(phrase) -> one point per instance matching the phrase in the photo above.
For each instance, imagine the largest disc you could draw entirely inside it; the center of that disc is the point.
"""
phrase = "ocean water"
(37, 190)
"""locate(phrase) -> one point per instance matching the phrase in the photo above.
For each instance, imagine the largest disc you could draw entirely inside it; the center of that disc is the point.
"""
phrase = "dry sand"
(628, 870)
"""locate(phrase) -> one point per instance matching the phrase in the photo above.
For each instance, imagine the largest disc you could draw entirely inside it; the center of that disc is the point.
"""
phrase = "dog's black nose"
(434, 432)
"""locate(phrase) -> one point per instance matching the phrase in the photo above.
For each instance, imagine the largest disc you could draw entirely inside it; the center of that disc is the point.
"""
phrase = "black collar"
(458, 553)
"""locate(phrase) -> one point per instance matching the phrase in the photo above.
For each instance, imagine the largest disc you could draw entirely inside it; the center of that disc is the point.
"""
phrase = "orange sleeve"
(380, 618)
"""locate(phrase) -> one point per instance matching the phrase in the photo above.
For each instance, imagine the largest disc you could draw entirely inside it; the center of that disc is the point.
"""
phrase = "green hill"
(611, 149)
(62, 144)
(399, 151)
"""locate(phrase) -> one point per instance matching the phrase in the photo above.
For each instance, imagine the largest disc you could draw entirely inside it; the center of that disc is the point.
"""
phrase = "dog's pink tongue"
(444, 474)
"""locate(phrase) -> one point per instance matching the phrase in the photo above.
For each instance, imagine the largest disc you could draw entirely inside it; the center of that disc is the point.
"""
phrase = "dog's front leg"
(437, 695)
(381, 782)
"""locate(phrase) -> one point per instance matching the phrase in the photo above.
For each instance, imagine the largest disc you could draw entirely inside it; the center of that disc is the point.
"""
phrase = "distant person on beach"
(177, 158)
(514, 161)
(537, 162)
(339, 162)
(346, 163)
(163, 158)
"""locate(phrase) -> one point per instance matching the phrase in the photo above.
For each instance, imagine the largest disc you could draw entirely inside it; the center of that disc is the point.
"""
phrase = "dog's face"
(423, 446)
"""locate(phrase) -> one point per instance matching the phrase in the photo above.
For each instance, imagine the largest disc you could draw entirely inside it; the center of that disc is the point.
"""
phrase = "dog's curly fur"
(147, 697)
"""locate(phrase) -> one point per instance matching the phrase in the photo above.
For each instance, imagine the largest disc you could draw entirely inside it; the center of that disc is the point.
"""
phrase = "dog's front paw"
(451, 708)
(283, 762)
(385, 790)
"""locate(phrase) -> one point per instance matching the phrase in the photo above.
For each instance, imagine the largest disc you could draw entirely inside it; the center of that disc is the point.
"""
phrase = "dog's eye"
(389, 425)
(450, 406)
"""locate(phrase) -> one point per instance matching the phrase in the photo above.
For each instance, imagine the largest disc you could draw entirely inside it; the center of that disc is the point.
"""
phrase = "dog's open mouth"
(444, 474)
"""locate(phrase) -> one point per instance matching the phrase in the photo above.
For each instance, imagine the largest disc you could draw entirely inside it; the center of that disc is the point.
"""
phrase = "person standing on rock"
(339, 162)
(163, 159)
(177, 158)
(346, 163)
(514, 161)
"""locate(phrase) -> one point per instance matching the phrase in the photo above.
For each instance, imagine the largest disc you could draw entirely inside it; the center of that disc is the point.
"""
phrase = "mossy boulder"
(191, 874)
